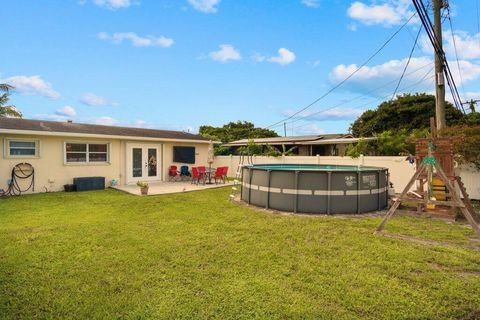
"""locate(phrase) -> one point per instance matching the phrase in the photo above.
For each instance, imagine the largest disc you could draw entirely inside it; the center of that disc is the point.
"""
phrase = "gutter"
(101, 136)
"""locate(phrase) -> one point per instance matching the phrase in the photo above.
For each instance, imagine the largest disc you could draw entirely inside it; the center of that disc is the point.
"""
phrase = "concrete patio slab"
(156, 188)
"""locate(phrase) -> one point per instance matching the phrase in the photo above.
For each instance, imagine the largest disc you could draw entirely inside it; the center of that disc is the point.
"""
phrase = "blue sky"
(179, 64)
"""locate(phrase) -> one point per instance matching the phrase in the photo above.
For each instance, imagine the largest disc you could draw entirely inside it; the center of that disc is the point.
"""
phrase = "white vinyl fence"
(401, 171)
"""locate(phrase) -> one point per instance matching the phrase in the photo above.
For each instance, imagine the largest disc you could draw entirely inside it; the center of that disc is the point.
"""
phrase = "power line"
(408, 62)
(362, 95)
(381, 97)
(348, 77)
(456, 52)
(427, 23)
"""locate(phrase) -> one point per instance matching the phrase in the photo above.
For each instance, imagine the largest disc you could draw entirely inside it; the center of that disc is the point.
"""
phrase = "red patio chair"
(197, 175)
(225, 171)
(172, 173)
(204, 174)
(219, 174)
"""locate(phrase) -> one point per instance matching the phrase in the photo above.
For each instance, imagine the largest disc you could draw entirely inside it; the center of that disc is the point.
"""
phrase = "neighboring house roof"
(337, 141)
(41, 127)
(291, 140)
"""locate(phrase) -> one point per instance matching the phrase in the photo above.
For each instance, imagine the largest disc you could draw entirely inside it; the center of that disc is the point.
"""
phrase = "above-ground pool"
(326, 189)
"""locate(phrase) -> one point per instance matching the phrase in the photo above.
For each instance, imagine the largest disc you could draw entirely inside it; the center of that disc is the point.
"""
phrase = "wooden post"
(397, 203)
(457, 199)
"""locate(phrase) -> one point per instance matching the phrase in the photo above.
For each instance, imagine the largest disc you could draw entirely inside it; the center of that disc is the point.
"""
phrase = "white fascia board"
(101, 136)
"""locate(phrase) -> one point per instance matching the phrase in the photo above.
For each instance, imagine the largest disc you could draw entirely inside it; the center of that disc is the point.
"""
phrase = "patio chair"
(184, 172)
(173, 173)
(197, 176)
(225, 171)
(203, 173)
(219, 175)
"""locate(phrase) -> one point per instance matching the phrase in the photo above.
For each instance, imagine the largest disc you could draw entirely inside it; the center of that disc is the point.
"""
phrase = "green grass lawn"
(195, 255)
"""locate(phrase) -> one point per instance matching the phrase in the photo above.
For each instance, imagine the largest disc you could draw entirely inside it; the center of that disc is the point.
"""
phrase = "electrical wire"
(427, 23)
(360, 96)
(407, 64)
(348, 77)
(456, 52)
(384, 97)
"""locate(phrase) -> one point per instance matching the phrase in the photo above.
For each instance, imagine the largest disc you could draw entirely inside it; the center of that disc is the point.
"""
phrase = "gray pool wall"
(316, 189)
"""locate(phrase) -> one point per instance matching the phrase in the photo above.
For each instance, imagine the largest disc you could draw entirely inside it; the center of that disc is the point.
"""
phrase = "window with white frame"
(22, 148)
(86, 152)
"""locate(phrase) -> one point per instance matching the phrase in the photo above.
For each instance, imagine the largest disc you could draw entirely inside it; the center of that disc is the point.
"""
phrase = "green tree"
(7, 110)
(398, 143)
(388, 143)
(284, 152)
(472, 119)
(233, 131)
(468, 150)
(361, 147)
(408, 112)
(251, 149)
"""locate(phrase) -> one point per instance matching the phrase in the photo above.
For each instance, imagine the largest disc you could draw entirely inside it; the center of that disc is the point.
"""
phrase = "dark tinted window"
(184, 154)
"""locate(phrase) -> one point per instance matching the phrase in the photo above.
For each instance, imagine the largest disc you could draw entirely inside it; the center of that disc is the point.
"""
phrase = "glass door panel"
(152, 162)
(137, 162)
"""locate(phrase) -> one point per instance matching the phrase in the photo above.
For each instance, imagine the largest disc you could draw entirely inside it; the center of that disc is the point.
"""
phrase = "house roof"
(338, 141)
(39, 127)
(290, 140)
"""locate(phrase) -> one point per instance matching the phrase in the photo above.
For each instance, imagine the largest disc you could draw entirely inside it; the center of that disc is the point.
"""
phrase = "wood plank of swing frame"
(466, 200)
(420, 190)
(433, 128)
(456, 198)
(397, 203)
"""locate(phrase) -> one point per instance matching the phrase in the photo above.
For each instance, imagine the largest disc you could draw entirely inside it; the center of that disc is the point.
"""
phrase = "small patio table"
(209, 171)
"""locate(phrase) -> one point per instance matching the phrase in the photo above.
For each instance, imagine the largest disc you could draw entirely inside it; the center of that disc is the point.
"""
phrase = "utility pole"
(285, 129)
(439, 77)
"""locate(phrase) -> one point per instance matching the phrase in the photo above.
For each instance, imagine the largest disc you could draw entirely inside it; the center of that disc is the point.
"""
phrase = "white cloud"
(32, 85)
(470, 71)
(471, 95)
(257, 57)
(386, 12)
(372, 77)
(139, 123)
(91, 99)
(136, 40)
(113, 4)
(306, 129)
(49, 117)
(335, 114)
(66, 111)
(226, 53)
(284, 57)
(425, 45)
(205, 6)
(106, 121)
(468, 47)
(311, 3)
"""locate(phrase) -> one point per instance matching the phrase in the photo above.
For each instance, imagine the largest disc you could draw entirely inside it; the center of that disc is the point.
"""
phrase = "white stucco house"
(62, 151)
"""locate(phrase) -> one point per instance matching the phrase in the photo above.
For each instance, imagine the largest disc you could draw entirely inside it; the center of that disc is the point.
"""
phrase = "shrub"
(468, 150)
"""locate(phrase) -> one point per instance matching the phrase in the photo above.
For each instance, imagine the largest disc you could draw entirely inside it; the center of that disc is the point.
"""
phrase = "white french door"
(143, 162)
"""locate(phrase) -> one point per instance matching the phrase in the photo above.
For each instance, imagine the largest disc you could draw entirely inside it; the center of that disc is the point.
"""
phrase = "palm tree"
(7, 110)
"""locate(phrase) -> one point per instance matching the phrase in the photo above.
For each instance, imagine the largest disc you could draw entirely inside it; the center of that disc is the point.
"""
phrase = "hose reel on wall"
(20, 172)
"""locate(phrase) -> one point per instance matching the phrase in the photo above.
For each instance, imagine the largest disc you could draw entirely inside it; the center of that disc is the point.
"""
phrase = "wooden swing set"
(435, 159)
